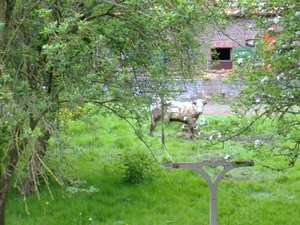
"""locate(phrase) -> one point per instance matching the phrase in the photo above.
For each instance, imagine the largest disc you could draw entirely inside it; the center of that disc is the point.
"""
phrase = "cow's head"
(199, 103)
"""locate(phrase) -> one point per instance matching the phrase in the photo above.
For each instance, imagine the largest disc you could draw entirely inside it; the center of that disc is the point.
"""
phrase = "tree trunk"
(3, 196)
(6, 9)
(3, 26)
(31, 180)
(6, 174)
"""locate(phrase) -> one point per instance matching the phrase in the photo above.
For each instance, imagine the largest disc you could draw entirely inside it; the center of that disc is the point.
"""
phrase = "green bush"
(135, 167)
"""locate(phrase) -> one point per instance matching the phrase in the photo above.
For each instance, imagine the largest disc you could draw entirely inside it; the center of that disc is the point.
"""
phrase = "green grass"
(176, 196)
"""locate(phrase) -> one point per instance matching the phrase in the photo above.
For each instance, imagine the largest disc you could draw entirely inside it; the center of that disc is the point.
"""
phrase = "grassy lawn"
(252, 195)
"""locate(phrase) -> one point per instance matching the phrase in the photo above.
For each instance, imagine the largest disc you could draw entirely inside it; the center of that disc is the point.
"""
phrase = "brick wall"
(238, 30)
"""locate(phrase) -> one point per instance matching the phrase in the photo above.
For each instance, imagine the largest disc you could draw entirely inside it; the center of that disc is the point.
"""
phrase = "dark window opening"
(221, 54)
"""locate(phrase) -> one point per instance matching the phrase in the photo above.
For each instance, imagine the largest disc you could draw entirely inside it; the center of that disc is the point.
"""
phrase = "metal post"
(198, 166)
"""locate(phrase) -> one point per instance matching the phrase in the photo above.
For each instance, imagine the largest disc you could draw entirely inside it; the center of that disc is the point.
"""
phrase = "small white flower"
(227, 157)
(80, 214)
(264, 79)
(90, 219)
(212, 133)
(297, 13)
(257, 100)
(220, 135)
(258, 142)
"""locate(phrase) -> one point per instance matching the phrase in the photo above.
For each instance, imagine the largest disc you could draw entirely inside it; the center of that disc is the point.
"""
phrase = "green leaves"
(136, 167)
(272, 74)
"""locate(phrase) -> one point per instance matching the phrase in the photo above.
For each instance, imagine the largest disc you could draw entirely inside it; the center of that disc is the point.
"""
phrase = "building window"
(221, 54)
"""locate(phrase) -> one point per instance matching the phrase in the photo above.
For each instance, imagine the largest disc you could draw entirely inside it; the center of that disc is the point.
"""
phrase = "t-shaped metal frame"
(198, 166)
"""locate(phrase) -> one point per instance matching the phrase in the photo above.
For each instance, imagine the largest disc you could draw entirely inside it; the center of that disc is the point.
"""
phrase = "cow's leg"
(190, 124)
(190, 128)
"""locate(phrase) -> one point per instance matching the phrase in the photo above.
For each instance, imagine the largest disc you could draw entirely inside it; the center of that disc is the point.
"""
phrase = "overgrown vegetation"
(100, 196)
(272, 72)
(135, 167)
(56, 56)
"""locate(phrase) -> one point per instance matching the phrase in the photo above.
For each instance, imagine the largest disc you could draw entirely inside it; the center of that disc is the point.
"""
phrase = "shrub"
(135, 167)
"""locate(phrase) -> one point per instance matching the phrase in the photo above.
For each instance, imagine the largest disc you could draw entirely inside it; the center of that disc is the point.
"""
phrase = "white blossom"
(212, 135)
(277, 19)
(280, 76)
(240, 60)
(297, 13)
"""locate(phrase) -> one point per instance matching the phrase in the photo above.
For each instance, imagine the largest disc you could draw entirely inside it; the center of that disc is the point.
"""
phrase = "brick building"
(230, 44)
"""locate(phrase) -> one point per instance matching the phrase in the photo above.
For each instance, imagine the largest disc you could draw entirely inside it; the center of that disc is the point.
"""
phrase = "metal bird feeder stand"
(198, 166)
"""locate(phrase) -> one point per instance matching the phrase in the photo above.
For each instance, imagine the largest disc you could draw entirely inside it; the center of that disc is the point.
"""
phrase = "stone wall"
(207, 88)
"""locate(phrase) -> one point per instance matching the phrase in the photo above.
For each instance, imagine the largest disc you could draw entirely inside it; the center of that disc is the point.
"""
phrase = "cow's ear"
(195, 102)
(204, 102)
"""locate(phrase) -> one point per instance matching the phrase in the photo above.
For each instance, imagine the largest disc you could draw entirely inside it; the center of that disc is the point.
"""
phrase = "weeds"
(79, 186)
(136, 167)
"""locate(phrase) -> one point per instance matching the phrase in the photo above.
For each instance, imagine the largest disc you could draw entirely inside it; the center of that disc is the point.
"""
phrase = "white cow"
(184, 112)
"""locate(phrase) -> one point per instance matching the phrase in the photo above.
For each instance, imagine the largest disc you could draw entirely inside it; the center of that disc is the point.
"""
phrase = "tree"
(59, 55)
(272, 76)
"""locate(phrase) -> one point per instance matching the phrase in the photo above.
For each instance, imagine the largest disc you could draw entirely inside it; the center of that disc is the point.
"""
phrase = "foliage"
(271, 74)
(57, 56)
(135, 167)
